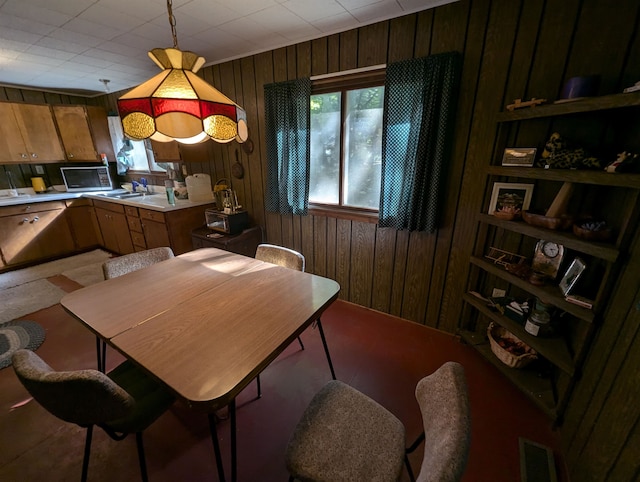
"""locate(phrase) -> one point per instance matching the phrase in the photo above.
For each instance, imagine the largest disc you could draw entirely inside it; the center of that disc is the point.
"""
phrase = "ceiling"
(68, 46)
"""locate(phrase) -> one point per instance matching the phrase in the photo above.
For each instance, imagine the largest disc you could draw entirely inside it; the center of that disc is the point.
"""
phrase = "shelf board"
(601, 178)
(548, 294)
(605, 251)
(553, 349)
(588, 104)
(536, 388)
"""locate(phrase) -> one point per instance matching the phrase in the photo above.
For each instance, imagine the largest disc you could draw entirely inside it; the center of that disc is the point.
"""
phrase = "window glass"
(324, 177)
(346, 147)
(363, 147)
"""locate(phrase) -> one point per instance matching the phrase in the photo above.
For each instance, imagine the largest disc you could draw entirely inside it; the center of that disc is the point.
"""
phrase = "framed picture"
(574, 271)
(519, 156)
(510, 197)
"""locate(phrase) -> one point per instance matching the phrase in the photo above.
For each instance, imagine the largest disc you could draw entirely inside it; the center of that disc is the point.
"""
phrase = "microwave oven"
(80, 179)
(232, 223)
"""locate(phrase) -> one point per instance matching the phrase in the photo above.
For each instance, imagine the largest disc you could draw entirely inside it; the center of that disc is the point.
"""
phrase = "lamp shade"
(178, 105)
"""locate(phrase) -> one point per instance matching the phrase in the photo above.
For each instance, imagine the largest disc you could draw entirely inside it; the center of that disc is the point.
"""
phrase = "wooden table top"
(118, 304)
(206, 322)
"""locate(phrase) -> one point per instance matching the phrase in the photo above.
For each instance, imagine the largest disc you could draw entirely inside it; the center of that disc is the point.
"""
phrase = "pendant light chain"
(172, 22)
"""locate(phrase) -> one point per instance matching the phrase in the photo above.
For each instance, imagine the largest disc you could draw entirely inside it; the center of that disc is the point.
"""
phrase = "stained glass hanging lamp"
(178, 105)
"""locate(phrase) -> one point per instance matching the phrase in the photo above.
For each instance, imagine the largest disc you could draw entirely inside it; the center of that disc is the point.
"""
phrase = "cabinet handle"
(24, 220)
(70, 156)
(28, 208)
(23, 155)
(34, 155)
(35, 219)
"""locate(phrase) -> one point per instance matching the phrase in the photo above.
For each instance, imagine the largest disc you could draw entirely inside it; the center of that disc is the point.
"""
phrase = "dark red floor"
(380, 355)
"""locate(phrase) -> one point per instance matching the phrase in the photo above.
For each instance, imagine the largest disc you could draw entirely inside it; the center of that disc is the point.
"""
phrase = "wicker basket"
(495, 332)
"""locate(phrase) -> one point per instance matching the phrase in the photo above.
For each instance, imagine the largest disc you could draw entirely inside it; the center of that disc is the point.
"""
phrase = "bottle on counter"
(171, 197)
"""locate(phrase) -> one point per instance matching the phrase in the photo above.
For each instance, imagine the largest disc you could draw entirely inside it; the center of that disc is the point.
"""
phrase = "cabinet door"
(166, 151)
(75, 132)
(155, 234)
(115, 231)
(12, 148)
(38, 132)
(84, 226)
(30, 237)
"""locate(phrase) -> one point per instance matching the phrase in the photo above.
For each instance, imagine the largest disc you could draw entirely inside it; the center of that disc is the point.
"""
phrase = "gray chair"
(121, 265)
(122, 402)
(345, 436)
(291, 259)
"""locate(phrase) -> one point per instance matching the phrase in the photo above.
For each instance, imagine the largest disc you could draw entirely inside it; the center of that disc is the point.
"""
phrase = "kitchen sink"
(127, 195)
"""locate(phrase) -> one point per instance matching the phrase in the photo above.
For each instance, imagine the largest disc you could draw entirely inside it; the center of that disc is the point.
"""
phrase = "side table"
(244, 243)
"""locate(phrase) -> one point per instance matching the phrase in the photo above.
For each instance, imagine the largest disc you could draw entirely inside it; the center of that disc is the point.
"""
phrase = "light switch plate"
(39, 170)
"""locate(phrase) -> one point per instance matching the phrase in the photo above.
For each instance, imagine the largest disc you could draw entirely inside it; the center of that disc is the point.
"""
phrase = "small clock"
(547, 258)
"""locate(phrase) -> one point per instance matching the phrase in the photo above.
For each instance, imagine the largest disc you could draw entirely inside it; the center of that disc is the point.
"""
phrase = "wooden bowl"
(507, 216)
(540, 220)
(601, 234)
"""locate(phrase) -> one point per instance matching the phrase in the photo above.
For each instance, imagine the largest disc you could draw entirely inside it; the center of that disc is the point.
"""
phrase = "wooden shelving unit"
(563, 352)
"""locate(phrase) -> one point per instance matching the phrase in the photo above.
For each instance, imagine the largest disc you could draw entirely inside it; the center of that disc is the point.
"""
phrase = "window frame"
(343, 83)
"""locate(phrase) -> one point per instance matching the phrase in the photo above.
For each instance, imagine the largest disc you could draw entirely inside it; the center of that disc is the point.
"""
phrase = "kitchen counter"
(156, 201)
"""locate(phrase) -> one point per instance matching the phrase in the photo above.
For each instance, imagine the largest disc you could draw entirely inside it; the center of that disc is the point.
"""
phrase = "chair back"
(444, 403)
(83, 397)
(281, 256)
(114, 267)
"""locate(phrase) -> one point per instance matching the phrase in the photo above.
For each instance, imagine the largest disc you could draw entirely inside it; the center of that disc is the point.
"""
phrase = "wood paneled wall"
(511, 49)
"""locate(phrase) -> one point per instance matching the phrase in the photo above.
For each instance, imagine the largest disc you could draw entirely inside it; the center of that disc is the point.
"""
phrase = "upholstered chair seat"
(344, 435)
(121, 402)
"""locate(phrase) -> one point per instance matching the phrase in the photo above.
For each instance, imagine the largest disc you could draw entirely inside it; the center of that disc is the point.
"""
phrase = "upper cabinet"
(28, 134)
(175, 152)
(84, 132)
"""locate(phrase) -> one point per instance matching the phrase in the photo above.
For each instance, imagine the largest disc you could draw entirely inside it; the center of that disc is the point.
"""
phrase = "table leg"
(326, 348)
(234, 458)
(216, 446)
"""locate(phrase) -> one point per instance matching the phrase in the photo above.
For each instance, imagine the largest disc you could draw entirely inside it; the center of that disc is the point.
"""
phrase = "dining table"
(205, 323)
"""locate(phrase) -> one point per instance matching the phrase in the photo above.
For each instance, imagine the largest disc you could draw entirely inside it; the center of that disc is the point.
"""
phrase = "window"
(346, 141)
(131, 155)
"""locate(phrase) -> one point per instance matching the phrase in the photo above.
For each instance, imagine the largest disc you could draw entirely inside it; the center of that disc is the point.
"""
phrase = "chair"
(114, 267)
(291, 259)
(121, 402)
(344, 435)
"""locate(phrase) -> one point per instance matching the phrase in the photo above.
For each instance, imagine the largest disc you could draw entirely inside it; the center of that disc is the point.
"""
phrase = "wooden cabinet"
(245, 243)
(83, 223)
(166, 151)
(84, 132)
(613, 197)
(147, 228)
(114, 227)
(28, 134)
(175, 152)
(34, 232)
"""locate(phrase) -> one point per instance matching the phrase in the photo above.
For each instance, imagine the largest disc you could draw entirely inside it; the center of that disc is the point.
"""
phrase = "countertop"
(156, 202)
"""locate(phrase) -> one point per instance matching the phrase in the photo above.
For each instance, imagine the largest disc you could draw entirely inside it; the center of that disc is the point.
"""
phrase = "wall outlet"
(184, 170)
(39, 170)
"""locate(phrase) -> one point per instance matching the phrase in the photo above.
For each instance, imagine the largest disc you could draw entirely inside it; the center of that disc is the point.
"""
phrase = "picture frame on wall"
(510, 196)
(519, 156)
(571, 276)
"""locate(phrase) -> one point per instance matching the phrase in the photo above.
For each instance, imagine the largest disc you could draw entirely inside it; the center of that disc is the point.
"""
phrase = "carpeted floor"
(52, 268)
(28, 290)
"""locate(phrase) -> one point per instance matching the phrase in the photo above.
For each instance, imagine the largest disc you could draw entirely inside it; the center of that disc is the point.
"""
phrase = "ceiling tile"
(110, 38)
(309, 11)
(26, 10)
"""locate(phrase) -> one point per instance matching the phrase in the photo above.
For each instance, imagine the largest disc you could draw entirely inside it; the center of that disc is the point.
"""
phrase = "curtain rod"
(347, 72)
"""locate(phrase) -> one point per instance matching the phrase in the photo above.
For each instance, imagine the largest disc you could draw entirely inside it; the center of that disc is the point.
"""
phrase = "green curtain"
(288, 140)
(419, 116)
